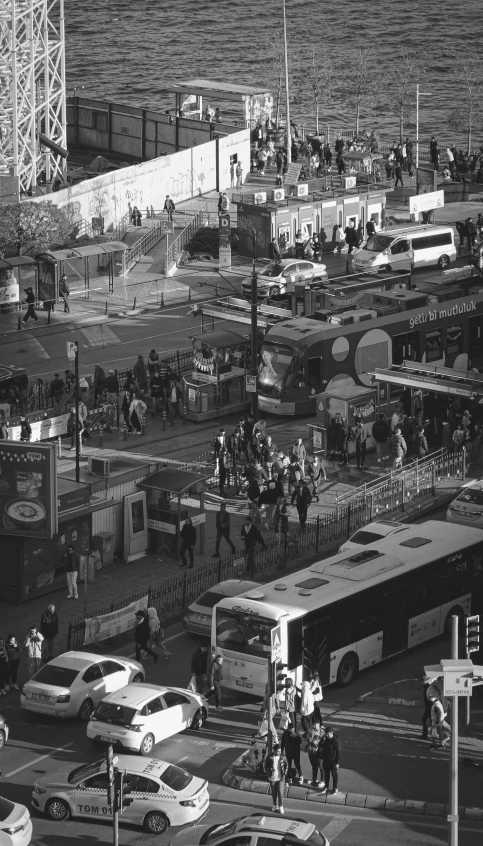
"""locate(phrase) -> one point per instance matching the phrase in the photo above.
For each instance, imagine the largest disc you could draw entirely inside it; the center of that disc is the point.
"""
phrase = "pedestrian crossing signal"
(472, 634)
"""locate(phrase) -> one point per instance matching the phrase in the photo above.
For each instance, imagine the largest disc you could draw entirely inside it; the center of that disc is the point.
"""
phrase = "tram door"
(475, 325)
(405, 348)
(316, 649)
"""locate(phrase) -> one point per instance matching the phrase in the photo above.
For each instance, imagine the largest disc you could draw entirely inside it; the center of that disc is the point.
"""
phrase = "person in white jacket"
(307, 706)
(33, 645)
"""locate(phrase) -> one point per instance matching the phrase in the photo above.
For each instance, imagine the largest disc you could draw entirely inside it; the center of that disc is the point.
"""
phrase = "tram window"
(454, 340)
(476, 334)
(313, 371)
(434, 345)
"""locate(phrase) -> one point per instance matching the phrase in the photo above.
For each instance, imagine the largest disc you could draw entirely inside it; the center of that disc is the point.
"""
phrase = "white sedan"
(15, 824)
(140, 715)
(72, 684)
(158, 794)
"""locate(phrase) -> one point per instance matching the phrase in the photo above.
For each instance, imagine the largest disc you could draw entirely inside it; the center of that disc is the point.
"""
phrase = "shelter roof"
(214, 88)
(174, 481)
(221, 338)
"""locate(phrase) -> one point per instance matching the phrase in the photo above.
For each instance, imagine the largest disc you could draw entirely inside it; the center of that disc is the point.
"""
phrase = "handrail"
(120, 229)
(177, 246)
(132, 255)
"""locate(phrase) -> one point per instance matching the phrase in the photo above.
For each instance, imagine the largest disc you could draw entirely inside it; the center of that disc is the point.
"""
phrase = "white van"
(403, 249)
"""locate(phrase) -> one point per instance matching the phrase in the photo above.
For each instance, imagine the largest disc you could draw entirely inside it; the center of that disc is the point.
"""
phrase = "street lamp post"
(418, 95)
(254, 331)
(288, 133)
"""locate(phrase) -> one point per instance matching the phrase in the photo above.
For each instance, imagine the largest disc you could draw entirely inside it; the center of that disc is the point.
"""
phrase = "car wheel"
(139, 677)
(155, 822)
(85, 710)
(275, 291)
(198, 719)
(57, 810)
(147, 744)
(2, 739)
(348, 669)
(443, 262)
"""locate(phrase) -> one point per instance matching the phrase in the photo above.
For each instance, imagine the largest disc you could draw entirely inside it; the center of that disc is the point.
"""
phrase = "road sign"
(250, 384)
(276, 638)
(426, 202)
(167, 227)
(71, 347)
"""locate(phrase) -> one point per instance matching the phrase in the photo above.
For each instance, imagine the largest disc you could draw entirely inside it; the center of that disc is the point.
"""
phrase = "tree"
(400, 92)
(33, 227)
(468, 114)
(361, 83)
(273, 70)
(315, 78)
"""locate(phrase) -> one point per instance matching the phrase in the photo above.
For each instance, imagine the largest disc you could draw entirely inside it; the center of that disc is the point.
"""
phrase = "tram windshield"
(275, 364)
(379, 243)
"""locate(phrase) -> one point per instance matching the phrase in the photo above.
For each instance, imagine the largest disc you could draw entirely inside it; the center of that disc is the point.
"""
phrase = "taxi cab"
(160, 794)
(259, 829)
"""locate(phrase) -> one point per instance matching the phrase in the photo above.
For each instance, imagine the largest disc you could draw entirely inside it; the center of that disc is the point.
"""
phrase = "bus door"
(394, 607)
(316, 649)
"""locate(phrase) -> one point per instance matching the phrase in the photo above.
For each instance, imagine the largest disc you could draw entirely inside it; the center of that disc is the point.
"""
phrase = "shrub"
(205, 240)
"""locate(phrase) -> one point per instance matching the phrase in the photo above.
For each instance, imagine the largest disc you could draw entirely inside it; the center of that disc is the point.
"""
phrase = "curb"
(349, 800)
(373, 696)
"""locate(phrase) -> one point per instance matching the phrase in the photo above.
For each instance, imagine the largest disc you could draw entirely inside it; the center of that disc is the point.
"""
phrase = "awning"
(220, 338)
(87, 250)
(113, 246)
(16, 261)
(173, 481)
(442, 380)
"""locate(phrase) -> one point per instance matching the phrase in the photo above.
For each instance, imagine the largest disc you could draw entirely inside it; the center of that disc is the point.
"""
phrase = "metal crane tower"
(33, 135)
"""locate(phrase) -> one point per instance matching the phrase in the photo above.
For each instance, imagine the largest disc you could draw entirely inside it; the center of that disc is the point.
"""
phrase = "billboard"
(28, 490)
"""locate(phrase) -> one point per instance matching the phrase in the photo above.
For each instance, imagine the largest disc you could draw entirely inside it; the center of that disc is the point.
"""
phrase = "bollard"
(106, 308)
(164, 421)
(347, 267)
(100, 437)
(143, 426)
(125, 433)
(19, 322)
(189, 294)
(134, 304)
(162, 299)
(59, 447)
(184, 413)
(48, 316)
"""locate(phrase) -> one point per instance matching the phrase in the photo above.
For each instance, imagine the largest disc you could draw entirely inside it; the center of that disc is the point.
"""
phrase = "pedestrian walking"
(30, 301)
(173, 396)
(398, 448)
(25, 430)
(316, 471)
(223, 466)
(255, 515)
(142, 635)
(290, 701)
(137, 410)
(298, 453)
(249, 536)
(312, 747)
(274, 250)
(398, 172)
(188, 542)
(380, 432)
(351, 238)
(223, 530)
(302, 501)
(426, 718)
(33, 645)
(156, 632)
(316, 688)
(72, 570)
(49, 628)
(306, 707)
(290, 746)
(330, 757)
(280, 518)
(276, 767)
(64, 292)
(239, 175)
(13, 658)
(215, 677)
(199, 667)
(169, 207)
(440, 729)
(157, 392)
(4, 688)
(361, 435)
(153, 362)
(140, 376)
(56, 389)
(470, 232)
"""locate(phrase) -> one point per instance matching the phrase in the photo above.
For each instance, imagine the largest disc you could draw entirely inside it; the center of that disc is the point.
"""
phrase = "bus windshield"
(243, 632)
(274, 365)
(379, 243)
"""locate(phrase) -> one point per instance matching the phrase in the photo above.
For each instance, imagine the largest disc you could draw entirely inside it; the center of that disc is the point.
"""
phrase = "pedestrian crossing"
(25, 348)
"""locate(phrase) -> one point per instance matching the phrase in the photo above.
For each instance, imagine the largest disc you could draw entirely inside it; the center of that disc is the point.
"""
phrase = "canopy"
(220, 90)
(88, 250)
(16, 261)
(442, 380)
(174, 481)
(220, 338)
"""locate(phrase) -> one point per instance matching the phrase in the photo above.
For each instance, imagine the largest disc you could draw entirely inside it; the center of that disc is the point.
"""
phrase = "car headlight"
(38, 789)
(14, 829)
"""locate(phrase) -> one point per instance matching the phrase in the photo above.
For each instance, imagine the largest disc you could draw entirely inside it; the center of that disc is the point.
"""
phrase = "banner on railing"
(111, 625)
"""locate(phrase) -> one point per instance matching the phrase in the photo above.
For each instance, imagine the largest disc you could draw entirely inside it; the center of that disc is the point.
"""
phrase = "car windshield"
(472, 495)
(55, 675)
(274, 269)
(243, 632)
(216, 831)
(378, 243)
(84, 771)
(364, 537)
(209, 599)
(175, 778)
(275, 364)
(6, 808)
(114, 713)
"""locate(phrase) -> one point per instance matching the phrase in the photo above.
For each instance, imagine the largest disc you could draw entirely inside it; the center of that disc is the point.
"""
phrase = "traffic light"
(281, 675)
(110, 776)
(122, 791)
(472, 634)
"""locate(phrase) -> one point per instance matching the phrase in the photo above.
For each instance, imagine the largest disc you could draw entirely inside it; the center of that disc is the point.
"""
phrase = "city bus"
(341, 346)
(354, 609)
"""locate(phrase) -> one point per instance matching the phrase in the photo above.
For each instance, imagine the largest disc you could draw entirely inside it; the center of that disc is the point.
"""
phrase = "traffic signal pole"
(115, 816)
(472, 644)
(453, 769)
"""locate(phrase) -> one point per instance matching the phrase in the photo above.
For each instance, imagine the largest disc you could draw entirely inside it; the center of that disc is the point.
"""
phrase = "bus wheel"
(348, 669)
(443, 262)
(455, 612)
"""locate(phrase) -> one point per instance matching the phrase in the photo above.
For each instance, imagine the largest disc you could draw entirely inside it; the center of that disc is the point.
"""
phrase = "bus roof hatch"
(364, 565)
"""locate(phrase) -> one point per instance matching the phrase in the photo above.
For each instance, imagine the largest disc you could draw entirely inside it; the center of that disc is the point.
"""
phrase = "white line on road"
(335, 827)
(184, 758)
(37, 760)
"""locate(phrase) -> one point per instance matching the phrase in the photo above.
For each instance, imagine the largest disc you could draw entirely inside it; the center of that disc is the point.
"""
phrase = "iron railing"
(120, 229)
(176, 248)
(131, 256)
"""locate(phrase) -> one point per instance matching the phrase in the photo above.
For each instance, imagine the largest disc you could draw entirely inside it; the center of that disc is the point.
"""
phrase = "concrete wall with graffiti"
(182, 175)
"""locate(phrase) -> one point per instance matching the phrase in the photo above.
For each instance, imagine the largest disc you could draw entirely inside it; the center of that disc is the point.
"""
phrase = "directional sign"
(276, 638)
(167, 227)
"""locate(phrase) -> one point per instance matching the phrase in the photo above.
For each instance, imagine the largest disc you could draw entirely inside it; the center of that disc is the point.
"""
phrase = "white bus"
(352, 610)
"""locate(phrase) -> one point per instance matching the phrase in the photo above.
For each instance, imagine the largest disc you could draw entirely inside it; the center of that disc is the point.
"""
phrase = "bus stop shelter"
(171, 496)
(255, 101)
(77, 263)
(467, 384)
(16, 274)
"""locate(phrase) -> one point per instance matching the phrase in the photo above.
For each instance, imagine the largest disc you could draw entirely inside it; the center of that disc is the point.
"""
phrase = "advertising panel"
(9, 287)
(111, 625)
(28, 490)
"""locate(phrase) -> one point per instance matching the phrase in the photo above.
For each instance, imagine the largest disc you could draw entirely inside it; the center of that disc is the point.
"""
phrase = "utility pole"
(288, 134)
(453, 769)
(77, 433)
(254, 332)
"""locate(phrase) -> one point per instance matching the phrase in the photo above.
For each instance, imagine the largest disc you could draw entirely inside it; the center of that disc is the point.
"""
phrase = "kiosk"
(348, 401)
(171, 496)
(217, 384)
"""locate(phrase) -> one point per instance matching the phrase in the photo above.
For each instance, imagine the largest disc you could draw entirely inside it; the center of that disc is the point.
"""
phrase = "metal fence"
(131, 256)
(176, 248)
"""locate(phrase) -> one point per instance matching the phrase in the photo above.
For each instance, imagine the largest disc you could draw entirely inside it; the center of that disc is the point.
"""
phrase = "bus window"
(434, 345)
(243, 632)
(452, 580)
(454, 340)
(314, 376)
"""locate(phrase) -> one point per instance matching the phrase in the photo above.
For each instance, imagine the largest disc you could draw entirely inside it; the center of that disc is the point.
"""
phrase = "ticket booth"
(216, 386)
(172, 495)
(349, 402)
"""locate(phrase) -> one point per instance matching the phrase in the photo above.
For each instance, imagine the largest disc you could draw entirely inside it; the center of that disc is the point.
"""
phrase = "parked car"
(4, 732)
(140, 715)
(257, 830)
(161, 794)
(72, 684)
(467, 508)
(274, 278)
(199, 614)
(15, 824)
(373, 532)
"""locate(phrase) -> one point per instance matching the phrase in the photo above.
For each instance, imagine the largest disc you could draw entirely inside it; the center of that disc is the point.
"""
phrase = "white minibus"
(403, 249)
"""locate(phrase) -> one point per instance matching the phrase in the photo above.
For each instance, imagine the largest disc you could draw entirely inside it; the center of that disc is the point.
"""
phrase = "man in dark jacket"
(215, 677)
(25, 429)
(370, 228)
(351, 239)
(30, 300)
(157, 391)
(49, 628)
(250, 536)
(222, 530)
(141, 636)
(419, 443)
(380, 432)
(274, 250)
(291, 744)
(199, 667)
(276, 767)
(303, 498)
(330, 757)
(56, 388)
(188, 541)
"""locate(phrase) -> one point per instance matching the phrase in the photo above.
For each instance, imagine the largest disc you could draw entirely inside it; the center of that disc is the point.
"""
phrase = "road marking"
(37, 760)
(334, 828)
(184, 758)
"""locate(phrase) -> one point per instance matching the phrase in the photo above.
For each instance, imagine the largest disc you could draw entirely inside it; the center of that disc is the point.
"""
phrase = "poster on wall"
(43, 559)
(28, 490)
(111, 625)
(9, 287)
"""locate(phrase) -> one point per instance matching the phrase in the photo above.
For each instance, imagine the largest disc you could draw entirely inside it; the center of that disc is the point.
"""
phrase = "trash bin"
(86, 564)
(103, 544)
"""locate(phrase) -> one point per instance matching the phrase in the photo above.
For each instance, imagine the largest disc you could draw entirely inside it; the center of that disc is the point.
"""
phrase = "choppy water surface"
(129, 52)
